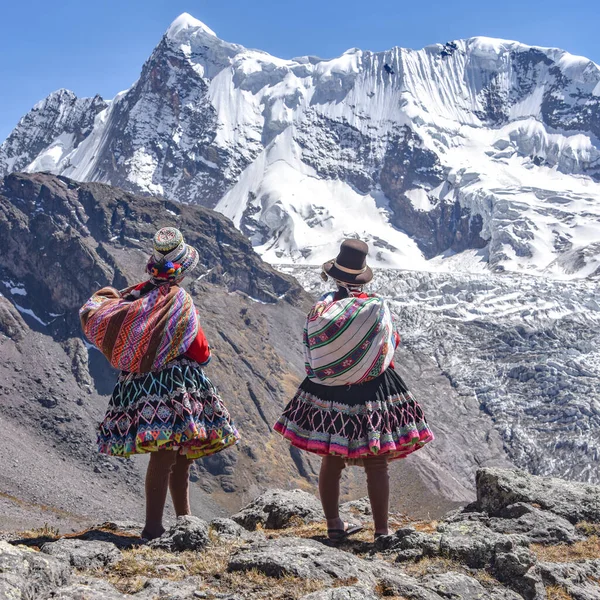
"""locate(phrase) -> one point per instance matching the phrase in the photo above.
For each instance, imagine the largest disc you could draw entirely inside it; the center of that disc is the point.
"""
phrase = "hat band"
(349, 271)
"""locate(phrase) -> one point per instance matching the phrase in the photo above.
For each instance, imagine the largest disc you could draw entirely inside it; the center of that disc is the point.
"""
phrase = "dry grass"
(139, 564)
(555, 592)
(588, 528)
(47, 531)
(383, 590)
(425, 526)
(318, 530)
(129, 574)
(586, 550)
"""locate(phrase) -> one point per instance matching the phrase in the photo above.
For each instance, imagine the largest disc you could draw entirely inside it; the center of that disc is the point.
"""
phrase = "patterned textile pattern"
(378, 417)
(348, 341)
(177, 408)
(143, 334)
(172, 258)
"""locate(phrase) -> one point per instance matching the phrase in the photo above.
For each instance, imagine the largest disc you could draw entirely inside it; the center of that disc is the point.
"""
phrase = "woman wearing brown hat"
(353, 407)
(163, 403)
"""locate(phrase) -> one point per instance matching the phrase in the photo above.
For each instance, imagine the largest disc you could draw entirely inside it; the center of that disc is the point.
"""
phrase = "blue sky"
(99, 47)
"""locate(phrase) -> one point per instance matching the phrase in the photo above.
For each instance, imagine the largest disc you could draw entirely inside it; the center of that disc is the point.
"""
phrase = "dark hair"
(343, 292)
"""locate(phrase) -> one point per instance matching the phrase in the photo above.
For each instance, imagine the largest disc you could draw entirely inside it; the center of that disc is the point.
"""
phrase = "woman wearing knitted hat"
(353, 407)
(163, 403)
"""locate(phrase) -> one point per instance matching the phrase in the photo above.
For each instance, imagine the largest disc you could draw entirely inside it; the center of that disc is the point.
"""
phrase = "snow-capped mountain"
(478, 144)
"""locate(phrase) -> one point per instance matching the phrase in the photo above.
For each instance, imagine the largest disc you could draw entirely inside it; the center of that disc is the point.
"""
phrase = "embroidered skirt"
(355, 422)
(176, 408)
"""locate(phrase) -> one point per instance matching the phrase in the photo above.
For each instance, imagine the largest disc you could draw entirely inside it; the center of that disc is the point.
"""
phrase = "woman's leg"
(378, 487)
(329, 489)
(157, 483)
(179, 485)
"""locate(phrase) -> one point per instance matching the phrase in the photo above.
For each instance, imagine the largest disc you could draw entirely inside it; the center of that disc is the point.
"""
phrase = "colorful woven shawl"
(348, 341)
(143, 334)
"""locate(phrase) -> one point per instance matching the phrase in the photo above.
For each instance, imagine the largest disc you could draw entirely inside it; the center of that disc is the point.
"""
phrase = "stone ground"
(519, 541)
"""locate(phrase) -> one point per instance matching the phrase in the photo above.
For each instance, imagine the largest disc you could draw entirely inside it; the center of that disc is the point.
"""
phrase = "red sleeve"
(199, 349)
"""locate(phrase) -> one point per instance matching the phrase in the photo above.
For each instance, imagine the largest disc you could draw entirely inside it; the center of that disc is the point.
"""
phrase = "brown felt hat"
(350, 265)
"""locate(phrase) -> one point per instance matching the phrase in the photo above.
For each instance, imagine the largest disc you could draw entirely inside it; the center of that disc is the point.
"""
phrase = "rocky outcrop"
(28, 574)
(188, 533)
(11, 323)
(83, 554)
(276, 509)
(497, 489)
(463, 557)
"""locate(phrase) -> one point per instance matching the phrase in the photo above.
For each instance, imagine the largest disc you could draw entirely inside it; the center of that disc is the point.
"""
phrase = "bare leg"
(179, 485)
(157, 483)
(329, 489)
(378, 487)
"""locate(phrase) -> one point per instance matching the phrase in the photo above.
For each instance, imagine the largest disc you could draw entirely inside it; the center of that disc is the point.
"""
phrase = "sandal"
(337, 535)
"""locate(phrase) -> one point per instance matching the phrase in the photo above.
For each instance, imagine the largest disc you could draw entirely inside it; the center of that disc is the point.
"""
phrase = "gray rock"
(276, 509)
(11, 322)
(580, 580)
(303, 558)
(188, 589)
(360, 508)
(309, 559)
(227, 528)
(499, 488)
(393, 582)
(474, 544)
(538, 526)
(83, 554)
(517, 568)
(29, 575)
(458, 586)
(411, 543)
(409, 554)
(188, 533)
(353, 592)
(89, 588)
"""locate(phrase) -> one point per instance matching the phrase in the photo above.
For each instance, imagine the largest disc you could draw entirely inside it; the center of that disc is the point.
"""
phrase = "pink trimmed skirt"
(370, 419)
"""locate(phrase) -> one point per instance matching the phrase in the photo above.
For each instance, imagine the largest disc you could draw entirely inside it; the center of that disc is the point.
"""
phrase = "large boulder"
(499, 488)
(536, 525)
(188, 533)
(302, 558)
(309, 559)
(517, 567)
(29, 575)
(83, 554)
(276, 509)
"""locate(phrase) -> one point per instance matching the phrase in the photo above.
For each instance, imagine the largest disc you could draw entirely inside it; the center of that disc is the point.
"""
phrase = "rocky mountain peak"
(185, 26)
(424, 153)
